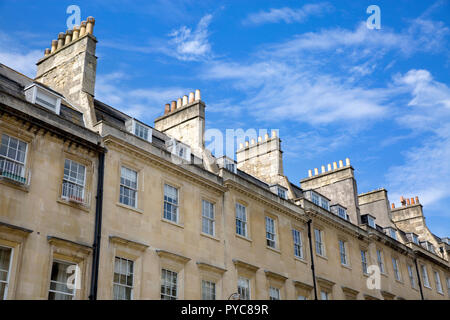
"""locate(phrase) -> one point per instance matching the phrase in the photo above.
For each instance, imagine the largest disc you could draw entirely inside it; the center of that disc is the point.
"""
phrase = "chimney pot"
(266, 136)
(323, 169)
(246, 144)
(241, 145)
(393, 205)
(76, 33)
(191, 97)
(347, 161)
(274, 134)
(310, 173)
(68, 38)
(259, 139)
(402, 201)
(173, 106)
(60, 40)
(179, 103)
(407, 202)
(197, 95)
(334, 165)
(185, 100)
(417, 199)
(252, 141)
(316, 172)
(167, 108)
(47, 52)
(82, 28)
(341, 163)
(54, 45)
(412, 201)
(329, 167)
(90, 25)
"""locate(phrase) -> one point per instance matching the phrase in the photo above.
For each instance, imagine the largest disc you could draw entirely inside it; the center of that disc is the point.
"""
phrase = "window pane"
(123, 279)
(59, 281)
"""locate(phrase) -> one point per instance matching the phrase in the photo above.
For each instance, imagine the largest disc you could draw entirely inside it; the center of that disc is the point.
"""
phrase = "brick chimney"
(69, 67)
(184, 120)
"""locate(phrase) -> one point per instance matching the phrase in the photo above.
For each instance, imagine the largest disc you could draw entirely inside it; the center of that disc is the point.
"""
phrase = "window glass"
(59, 281)
(128, 187)
(123, 279)
(170, 203)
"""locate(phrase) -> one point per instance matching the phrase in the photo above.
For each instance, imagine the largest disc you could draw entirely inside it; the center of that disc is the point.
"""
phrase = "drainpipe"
(312, 259)
(418, 279)
(98, 227)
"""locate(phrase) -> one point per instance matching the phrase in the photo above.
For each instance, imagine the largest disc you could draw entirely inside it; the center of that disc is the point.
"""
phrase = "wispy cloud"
(18, 57)
(142, 103)
(287, 15)
(191, 44)
(426, 166)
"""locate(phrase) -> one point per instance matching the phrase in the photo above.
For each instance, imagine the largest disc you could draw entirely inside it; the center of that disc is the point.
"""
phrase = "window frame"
(438, 282)
(165, 271)
(175, 204)
(278, 293)
(248, 288)
(244, 223)
(364, 266)
(396, 268)
(8, 276)
(343, 252)
(124, 186)
(297, 246)
(423, 269)
(411, 276)
(115, 284)
(380, 261)
(271, 229)
(214, 294)
(74, 184)
(74, 290)
(211, 222)
(15, 162)
(319, 244)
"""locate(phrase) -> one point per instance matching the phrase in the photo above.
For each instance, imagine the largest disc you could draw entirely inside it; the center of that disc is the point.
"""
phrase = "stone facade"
(161, 234)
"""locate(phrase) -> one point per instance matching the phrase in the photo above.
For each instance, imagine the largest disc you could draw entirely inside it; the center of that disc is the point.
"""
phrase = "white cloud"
(188, 44)
(426, 169)
(142, 103)
(18, 57)
(288, 15)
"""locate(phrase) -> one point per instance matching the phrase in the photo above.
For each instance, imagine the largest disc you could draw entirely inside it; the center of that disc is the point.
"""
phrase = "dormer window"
(391, 232)
(340, 211)
(427, 245)
(279, 190)
(44, 97)
(227, 163)
(179, 149)
(139, 129)
(369, 220)
(318, 199)
(413, 237)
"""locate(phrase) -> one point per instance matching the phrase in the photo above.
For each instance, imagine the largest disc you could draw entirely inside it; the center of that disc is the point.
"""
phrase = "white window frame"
(364, 260)
(271, 233)
(319, 242)
(36, 91)
(437, 280)
(173, 203)
(172, 285)
(208, 290)
(71, 185)
(426, 280)
(298, 243)
(343, 252)
(122, 285)
(274, 293)
(242, 220)
(380, 261)
(411, 276)
(129, 187)
(396, 267)
(371, 222)
(208, 220)
(342, 213)
(8, 275)
(244, 289)
(67, 263)
(19, 164)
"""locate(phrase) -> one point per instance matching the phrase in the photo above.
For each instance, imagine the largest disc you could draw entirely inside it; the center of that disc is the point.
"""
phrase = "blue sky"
(311, 69)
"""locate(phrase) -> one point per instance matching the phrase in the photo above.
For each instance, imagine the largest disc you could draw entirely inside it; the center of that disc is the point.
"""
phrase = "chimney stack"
(69, 68)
